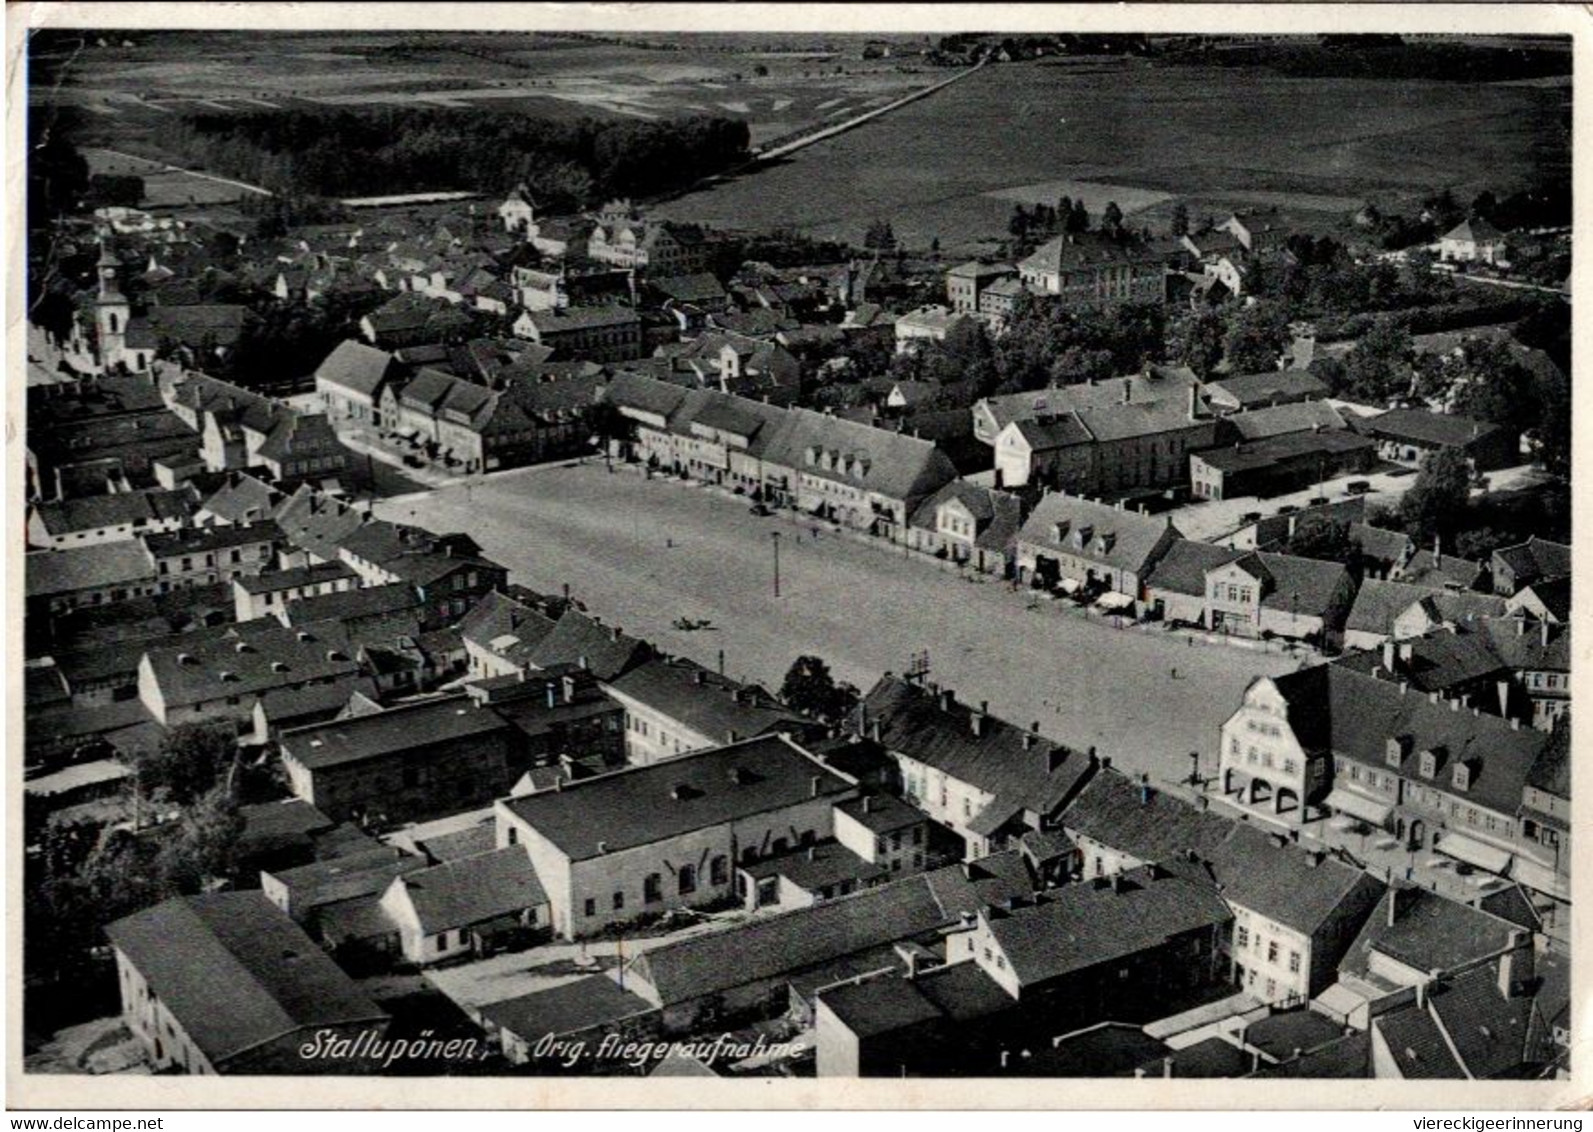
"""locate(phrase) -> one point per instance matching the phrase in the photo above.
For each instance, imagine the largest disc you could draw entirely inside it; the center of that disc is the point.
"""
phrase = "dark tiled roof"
(1429, 933)
(100, 511)
(703, 701)
(571, 1008)
(470, 890)
(1132, 537)
(1347, 1057)
(1280, 1035)
(788, 942)
(1270, 450)
(1536, 558)
(882, 1005)
(88, 567)
(237, 973)
(365, 872)
(201, 540)
(646, 804)
(1077, 927)
(1488, 1030)
(607, 652)
(355, 367)
(248, 659)
(1417, 1045)
(881, 813)
(1335, 708)
(1374, 542)
(1022, 770)
(402, 728)
(1551, 772)
(369, 601)
(1419, 426)
(1182, 569)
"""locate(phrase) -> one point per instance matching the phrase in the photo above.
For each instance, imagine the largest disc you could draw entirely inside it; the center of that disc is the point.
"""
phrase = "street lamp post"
(774, 536)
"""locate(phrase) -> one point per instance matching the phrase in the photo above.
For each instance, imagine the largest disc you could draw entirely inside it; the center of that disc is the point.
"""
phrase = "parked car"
(1358, 487)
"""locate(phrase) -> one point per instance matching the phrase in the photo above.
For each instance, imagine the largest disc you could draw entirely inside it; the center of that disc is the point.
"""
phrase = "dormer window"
(1103, 545)
(1396, 749)
(1081, 537)
(1462, 776)
(1429, 763)
(1062, 532)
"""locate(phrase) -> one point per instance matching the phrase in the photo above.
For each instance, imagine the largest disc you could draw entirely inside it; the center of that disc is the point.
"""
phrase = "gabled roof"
(1261, 389)
(1069, 253)
(1417, 1045)
(646, 804)
(580, 639)
(1379, 603)
(1419, 426)
(1488, 1031)
(356, 367)
(1080, 926)
(1131, 538)
(1429, 933)
(1021, 769)
(79, 568)
(470, 890)
(787, 943)
(1476, 228)
(381, 734)
(505, 627)
(998, 514)
(1535, 558)
(124, 508)
(1334, 708)
(1279, 420)
(703, 701)
(237, 973)
(890, 464)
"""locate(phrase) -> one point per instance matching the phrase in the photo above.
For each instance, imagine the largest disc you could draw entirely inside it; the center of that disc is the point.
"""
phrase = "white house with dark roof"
(1330, 741)
(674, 706)
(226, 984)
(465, 906)
(1075, 543)
(969, 524)
(646, 839)
(985, 779)
(1472, 241)
(351, 380)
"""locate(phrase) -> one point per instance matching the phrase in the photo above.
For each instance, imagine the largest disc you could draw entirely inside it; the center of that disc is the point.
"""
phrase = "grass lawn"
(864, 607)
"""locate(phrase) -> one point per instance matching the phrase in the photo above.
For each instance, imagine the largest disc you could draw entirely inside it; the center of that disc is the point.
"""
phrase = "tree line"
(327, 151)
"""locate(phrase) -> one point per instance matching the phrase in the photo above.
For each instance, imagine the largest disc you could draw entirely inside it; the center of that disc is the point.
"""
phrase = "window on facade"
(1272, 952)
(688, 879)
(1294, 962)
(591, 906)
(619, 901)
(719, 870)
(442, 942)
(1241, 937)
(653, 888)
(514, 836)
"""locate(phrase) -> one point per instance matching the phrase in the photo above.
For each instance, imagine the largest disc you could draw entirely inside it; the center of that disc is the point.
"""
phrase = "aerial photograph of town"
(795, 555)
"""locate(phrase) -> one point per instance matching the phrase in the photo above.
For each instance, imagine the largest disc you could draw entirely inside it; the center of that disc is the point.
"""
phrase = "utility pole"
(775, 538)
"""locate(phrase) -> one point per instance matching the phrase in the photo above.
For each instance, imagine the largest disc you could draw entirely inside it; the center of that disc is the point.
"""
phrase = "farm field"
(775, 91)
(641, 553)
(951, 165)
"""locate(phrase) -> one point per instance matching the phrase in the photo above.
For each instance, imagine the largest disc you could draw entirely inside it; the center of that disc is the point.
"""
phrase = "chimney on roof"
(1517, 967)
(698, 676)
(583, 662)
(1543, 634)
(947, 699)
(614, 633)
(1119, 884)
(875, 731)
(1404, 686)
(1389, 655)
(813, 785)
(569, 688)
(813, 853)
(868, 803)
(1515, 725)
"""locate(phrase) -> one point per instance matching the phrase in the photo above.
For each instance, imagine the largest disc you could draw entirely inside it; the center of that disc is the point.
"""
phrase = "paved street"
(864, 606)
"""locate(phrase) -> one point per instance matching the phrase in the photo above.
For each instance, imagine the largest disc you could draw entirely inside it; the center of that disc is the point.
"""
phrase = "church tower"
(111, 312)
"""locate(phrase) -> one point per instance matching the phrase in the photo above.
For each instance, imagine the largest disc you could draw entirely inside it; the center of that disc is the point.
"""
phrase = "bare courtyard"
(642, 553)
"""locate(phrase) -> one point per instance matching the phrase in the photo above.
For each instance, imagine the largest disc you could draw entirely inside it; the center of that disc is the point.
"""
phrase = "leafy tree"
(880, 237)
(1436, 502)
(811, 689)
(1196, 340)
(190, 762)
(1378, 369)
(1496, 387)
(1179, 226)
(1112, 218)
(1255, 339)
(203, 849)
(1477, 545)
(1079, 219)
(1325, 539)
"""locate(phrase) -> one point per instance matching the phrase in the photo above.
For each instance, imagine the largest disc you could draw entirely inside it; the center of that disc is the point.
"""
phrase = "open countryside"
(1216, 135)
